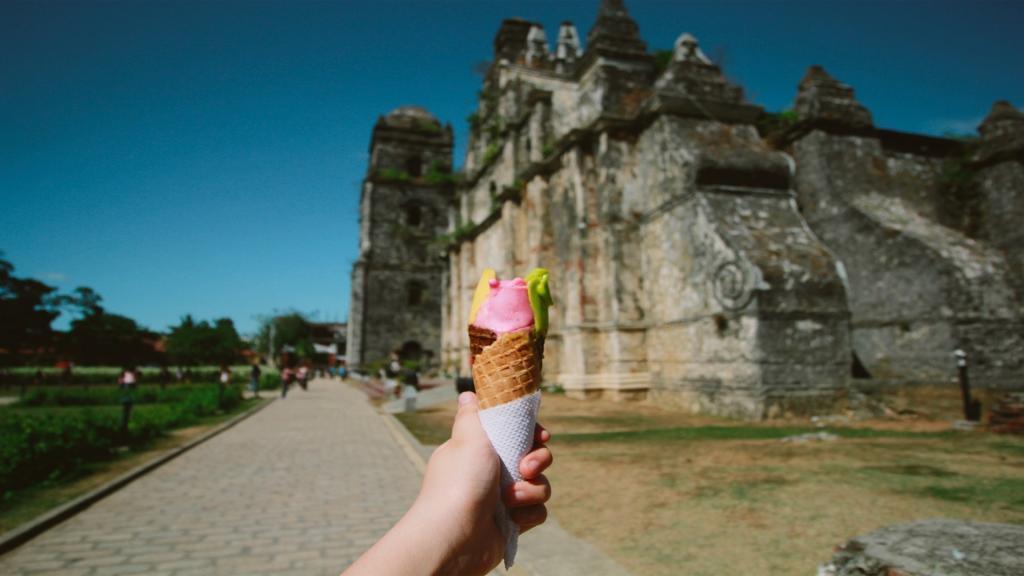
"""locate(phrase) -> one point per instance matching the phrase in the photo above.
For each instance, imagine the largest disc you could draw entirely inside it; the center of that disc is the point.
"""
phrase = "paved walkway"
(303, 487)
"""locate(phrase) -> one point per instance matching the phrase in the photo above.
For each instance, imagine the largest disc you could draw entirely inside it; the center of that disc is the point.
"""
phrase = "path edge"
(22, 534)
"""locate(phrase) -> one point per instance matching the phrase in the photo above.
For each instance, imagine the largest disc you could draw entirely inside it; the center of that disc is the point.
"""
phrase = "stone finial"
(694, 75)
(687, 49)
(1002, 121)
(1002, 132)
(536, 45)
(510, 43)
(615, 30)
(568, 42)
(822, 97)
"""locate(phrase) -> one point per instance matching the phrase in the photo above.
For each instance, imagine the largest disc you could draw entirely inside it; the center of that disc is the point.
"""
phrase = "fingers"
(527, 493)
(529, 517)
(535, 462)
(541, 435)
(467, 423)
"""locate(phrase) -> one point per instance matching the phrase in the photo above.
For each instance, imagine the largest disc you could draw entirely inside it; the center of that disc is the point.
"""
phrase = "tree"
(292, 329)
(191, 343)
(27, 308)
(102, 339)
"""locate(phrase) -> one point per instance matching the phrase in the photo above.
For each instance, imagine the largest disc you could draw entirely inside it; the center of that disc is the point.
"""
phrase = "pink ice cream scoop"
(507, 308)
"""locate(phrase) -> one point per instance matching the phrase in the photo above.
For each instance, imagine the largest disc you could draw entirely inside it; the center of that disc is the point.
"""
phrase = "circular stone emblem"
(733, 285)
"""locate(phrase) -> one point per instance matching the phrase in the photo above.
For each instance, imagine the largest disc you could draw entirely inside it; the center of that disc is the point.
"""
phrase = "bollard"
(972, 407)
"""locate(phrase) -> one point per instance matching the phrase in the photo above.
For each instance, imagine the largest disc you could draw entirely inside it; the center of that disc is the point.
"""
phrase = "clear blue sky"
(205, 157)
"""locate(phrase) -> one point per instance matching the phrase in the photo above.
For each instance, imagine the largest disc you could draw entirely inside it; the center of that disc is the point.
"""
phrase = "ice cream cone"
(507, 326)
(480, 338)
(508, 369)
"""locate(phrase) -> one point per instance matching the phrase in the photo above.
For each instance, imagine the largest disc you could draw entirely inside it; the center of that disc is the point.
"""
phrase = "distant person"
(304, 377)
(165, 377)
(254, 380)
(222, 384)
(391, 373)
(410, 382)
(343, 370)
(286, 380)
(127, 382)
(179, 374)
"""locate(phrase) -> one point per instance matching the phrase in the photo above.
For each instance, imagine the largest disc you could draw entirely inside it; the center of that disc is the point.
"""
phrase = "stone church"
(702, 252)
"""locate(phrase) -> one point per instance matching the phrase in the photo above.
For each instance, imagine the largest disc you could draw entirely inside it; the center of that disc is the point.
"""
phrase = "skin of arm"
(450, 528)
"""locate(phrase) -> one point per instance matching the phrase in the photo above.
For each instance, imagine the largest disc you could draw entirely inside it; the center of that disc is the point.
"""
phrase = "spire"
(693, 74)
(615, 30)
(568, 42)
(536, 46)
(1002, 133)
(822, 97)
(1002, 120)
(510, 43)
(567, 50)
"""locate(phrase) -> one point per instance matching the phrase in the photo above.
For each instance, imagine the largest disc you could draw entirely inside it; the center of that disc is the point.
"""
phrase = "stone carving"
(733, 285)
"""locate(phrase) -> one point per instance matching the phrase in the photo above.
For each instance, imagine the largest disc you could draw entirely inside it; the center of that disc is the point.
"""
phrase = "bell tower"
(403, 208)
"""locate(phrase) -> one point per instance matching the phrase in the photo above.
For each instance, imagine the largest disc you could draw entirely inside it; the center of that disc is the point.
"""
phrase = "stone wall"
(708, 255)
(404, 208)
(682, 267)
(919, 287)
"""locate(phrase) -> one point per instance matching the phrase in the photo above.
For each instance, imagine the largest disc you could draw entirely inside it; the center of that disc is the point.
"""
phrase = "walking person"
(254, 380)
(304, 377)
(222, 384)
(286, 380)
(127, 382)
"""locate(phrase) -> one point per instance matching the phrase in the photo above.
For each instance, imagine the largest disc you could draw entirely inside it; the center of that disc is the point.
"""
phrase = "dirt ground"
(666, 493)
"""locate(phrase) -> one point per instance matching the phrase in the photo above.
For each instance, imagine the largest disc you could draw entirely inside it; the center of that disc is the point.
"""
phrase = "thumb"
(467, 422)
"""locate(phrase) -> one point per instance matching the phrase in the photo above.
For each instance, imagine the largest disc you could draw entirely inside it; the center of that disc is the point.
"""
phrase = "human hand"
(451, 527)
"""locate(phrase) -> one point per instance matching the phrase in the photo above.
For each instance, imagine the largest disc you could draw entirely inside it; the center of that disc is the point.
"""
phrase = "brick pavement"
(303, 487)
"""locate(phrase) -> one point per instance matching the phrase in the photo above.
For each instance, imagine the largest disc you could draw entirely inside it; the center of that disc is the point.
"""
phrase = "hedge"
(38, 444)
(100, 375)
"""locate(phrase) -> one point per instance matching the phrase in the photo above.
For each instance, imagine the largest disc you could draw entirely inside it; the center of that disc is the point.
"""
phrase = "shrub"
(491, 153)
(44, 443)
(270, 381)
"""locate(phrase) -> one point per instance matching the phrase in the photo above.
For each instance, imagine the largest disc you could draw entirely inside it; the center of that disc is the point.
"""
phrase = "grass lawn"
(666, 493)
(24, 505)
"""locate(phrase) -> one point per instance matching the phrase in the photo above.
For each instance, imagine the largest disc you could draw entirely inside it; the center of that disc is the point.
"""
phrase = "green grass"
(987, 492)
(696, 433)
(20, 506)
(52, 441)
(425, 431)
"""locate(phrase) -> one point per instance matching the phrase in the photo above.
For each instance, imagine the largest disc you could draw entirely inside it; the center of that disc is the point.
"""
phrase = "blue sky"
(205, 157)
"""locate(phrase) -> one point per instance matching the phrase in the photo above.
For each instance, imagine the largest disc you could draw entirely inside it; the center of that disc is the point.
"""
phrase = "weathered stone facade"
(710, 255)
(406, 194)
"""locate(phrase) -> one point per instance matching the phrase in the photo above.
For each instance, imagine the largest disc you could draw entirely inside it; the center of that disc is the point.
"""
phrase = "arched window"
(411, 350)
(413, 215)
(414, 293)
(414, 166)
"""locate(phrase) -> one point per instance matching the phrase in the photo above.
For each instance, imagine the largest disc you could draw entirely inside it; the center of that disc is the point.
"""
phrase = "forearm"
(417, 544)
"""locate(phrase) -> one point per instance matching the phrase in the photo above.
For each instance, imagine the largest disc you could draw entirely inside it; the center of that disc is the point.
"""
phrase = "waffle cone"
(480, 338)
(509, 368)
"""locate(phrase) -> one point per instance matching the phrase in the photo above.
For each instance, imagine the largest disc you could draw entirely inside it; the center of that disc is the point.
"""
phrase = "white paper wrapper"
(510, 427)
